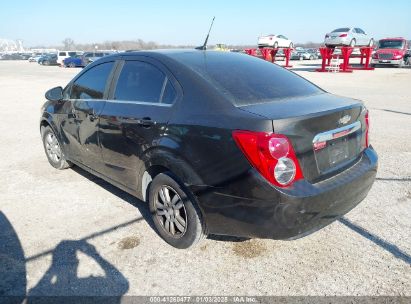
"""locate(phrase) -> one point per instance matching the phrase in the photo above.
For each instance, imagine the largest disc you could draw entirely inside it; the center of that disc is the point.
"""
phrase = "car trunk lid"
(327, 131)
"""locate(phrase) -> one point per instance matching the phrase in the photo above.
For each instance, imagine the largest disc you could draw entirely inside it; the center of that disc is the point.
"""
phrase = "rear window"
(341, 30)
(246, 79)
(62, 54)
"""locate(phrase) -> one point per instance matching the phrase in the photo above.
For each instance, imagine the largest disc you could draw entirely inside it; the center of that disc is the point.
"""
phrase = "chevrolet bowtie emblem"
(343, 120)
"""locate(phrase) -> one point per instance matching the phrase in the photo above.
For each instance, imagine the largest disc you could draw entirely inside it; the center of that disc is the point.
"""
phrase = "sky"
(183, 22)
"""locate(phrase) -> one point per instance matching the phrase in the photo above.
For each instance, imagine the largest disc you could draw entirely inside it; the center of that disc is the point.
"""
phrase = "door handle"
(145, 122)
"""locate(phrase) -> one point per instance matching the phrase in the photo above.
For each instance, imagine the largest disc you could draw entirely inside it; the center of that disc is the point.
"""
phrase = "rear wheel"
(53, 150)
(175, 213)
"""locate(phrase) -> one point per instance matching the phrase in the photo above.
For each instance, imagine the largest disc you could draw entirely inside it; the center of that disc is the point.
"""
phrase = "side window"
(139, 81)
(62, 54)
(169, 95)
(92, 83)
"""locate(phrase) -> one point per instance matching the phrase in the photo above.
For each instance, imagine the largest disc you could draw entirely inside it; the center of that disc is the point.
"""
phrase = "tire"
(311, 58)
(275, 45)
(46, 62)
(175, 212)
(352, 43)
(72, 65)
(52, 148)
(371, 43)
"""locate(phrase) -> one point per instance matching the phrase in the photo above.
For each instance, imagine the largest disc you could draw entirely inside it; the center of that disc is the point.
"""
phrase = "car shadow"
(391, 248)
(13, 280)
(130, 199)
(60, 283)
(62, 280)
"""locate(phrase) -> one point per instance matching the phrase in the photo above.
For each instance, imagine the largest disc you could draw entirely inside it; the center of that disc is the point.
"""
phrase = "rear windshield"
(391, 44)
(246, 79)
(341, 30)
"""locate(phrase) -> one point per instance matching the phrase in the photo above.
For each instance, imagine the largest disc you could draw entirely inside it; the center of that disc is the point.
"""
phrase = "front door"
(87, 100)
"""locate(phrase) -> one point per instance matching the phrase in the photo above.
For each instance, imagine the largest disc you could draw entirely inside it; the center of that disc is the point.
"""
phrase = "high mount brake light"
(271, 154)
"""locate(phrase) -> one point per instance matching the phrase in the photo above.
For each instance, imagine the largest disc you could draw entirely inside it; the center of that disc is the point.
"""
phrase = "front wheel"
(72, 65)
(175, 213)
(53, 150)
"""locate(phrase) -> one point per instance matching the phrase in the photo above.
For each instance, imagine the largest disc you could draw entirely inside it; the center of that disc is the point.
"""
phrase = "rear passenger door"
(135, 116)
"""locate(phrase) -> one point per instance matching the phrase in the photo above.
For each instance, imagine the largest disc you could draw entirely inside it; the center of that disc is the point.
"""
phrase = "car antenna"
(204, 46)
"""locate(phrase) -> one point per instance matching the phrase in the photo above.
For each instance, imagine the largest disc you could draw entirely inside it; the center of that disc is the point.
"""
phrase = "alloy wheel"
(53, 148)
(171, 212)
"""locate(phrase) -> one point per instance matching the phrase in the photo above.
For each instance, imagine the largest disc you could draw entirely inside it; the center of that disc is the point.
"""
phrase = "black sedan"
(215, 142)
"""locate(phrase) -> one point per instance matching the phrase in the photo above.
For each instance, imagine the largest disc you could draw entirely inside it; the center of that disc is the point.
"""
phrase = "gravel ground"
(75, 228)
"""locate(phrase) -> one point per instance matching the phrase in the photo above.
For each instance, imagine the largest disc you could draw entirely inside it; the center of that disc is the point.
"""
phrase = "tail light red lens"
(367, 129)
(271, 154)
(343, 35)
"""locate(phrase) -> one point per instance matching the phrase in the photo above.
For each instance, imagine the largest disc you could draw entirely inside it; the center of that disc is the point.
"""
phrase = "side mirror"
(54, 94)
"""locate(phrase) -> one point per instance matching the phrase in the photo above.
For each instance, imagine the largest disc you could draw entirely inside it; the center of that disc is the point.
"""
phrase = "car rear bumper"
(251, 207)
(337, 41)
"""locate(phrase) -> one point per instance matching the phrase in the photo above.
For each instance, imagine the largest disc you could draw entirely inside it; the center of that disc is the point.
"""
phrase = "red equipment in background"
(270, 53)
(328, 53)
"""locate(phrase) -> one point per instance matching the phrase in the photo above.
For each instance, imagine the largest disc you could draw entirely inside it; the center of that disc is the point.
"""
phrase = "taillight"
(367, 129)
(271, 154)
(343, 35)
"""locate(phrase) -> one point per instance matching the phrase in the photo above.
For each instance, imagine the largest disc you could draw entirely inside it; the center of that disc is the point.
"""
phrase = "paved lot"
(75, 228)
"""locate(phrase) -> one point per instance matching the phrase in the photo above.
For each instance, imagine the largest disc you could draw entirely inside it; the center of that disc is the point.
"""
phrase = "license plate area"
(333, 149)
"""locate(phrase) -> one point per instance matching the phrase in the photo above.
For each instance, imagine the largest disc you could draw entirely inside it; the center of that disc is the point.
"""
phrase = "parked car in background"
(280, 160)
(348, 36)
(275, 41)
(303, 55)
(391, 51)
(73, 62)
(83, 60)
(61, 55)
(12, 56)
(90, 57)
(48, 59)
(35, 57)
(316, 52)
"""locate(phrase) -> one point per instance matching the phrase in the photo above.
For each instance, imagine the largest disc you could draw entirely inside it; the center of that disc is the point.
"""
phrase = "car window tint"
(62, 54)
(169, 94)
(139, 81)
(340, 30)
(246, 79)
(92, 83)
